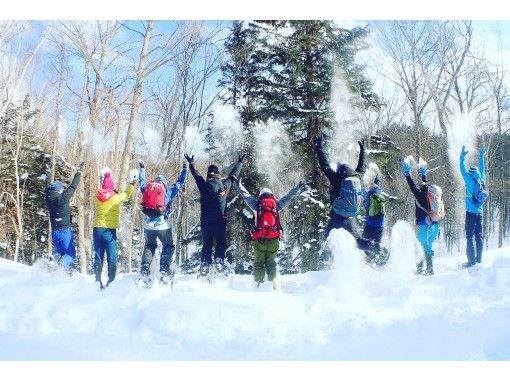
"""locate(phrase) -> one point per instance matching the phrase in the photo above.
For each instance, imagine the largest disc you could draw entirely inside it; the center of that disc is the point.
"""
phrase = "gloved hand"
(482, 151)
(191, 159)
(80, 167)
(319, 142)
(463, 152)
(141, 164)
(361, 144)
(302, 185)
(406, 167)
(377, 180)
(241, 158)
(422, 169)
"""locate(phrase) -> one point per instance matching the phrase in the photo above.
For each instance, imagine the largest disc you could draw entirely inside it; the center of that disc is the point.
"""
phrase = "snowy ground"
(352, 312)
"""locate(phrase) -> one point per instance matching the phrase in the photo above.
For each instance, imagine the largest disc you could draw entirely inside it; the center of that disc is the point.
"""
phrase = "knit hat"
(162, 179)
(57, 186)
(265, 190)
(474, 172)
(212, 170)
(108, 183)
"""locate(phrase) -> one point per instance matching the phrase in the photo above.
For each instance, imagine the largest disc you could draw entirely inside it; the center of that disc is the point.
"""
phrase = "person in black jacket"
(213, 218)
(57, 201)
(336, 178)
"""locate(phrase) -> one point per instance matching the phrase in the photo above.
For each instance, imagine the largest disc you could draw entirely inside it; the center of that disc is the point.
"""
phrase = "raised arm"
(481, 163)
(174, 189)
(234, 173)
(361, 160)
(406, 167)
(122, 197)
(323, 159)
(198, 178)
(68, 193)
(142, 177)
(250, 200)
(462, 162)
(294, 192)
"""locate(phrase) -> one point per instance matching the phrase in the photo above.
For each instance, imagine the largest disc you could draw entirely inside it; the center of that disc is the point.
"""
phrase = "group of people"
(346, 196)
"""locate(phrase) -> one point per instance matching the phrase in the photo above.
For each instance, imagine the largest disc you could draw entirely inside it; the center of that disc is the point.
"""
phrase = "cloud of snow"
(227, 130)
(342, 145)
(347, 282)
(194, 143)
(275, 158)
(461, 131)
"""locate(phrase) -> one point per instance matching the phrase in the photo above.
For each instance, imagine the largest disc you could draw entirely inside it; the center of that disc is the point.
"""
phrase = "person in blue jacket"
(474, 209)
(428, 231)
(374, 203)
(158, 226)
(57, 199)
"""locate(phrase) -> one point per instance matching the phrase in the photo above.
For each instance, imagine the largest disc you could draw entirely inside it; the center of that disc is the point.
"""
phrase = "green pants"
(265, 255)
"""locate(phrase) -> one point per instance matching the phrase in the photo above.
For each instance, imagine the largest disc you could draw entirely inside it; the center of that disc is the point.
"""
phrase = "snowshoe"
(167, 279)
(381, 256)
(144, 282)
(220, 268)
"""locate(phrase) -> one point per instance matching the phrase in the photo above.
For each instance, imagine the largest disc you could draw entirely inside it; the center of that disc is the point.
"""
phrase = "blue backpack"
(480, 193)
(348, 201)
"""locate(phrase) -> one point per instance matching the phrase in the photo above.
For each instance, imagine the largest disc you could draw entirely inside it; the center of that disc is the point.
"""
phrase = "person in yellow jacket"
(108, 206)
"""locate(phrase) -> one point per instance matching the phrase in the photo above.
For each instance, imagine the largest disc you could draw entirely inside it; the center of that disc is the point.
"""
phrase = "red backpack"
(268, 220)
(154, 197)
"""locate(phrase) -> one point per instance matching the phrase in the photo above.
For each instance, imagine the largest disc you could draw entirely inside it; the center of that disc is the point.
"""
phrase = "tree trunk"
(137, 99)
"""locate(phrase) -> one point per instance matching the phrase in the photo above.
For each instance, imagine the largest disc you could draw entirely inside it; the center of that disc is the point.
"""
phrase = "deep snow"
(353, 312)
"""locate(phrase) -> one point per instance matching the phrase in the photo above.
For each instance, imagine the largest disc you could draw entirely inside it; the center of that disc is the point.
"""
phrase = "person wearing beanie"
(267, 232)
(473, 178)
(428, 230)
(156, 225)
(57, 200)
(343, 172)
(107, 219)
(213, 218)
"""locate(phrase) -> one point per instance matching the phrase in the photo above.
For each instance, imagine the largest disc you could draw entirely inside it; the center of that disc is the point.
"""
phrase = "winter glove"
(241, 158)
(377, 180)
(422, 169)
(302, 186)
(191, 159)
(319, 142)
(361, 144)
(80, 167)
(463, 152)
(482, 151)
(406, 167)
(141, 164)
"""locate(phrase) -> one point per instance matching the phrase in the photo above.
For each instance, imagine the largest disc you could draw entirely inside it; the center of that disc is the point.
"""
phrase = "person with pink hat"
(108, 206)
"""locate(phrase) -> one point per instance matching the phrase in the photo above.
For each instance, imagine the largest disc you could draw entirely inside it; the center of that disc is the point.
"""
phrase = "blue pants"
(426, 236)
(105, 240)
(474, 231)
(212, 232)
(64, 250)
(151, 236)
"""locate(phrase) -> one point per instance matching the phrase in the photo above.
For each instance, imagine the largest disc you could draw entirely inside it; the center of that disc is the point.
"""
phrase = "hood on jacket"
(162, 179)
(265, 190)
(103, 195)
(344, 169)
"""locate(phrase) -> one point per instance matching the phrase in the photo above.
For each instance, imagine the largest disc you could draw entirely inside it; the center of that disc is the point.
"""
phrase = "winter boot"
(101, 286)
(276, 284)
(419, 267)
(430, 270)
(204, 270)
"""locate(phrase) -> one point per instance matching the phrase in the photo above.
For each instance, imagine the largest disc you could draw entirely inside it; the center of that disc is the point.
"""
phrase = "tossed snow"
(352, 312)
